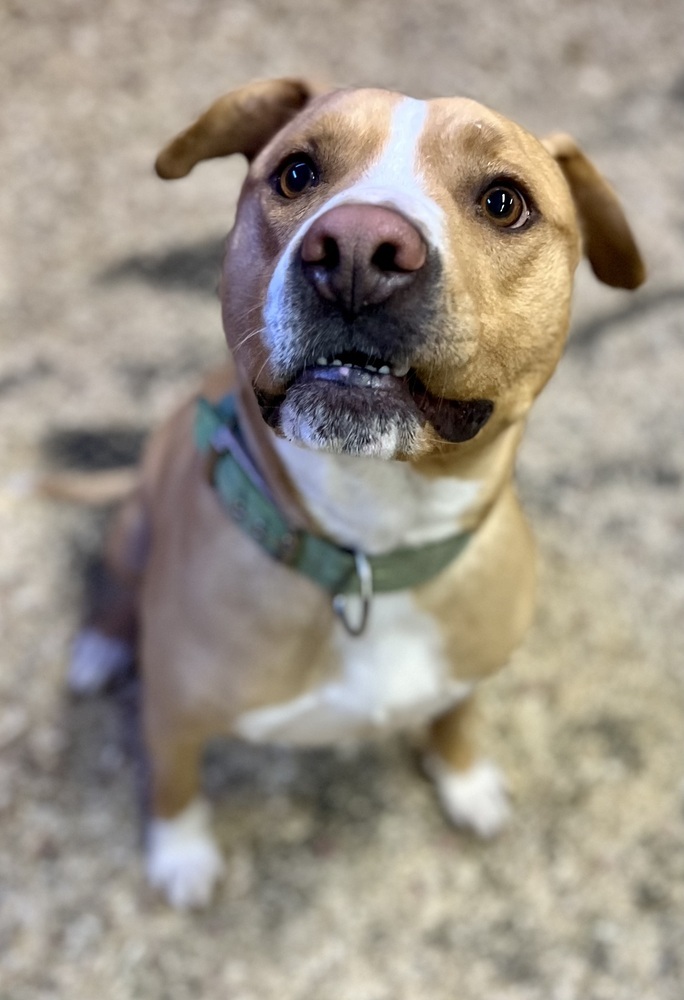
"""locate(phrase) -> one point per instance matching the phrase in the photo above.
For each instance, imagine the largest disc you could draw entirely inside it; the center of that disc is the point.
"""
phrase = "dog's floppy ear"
(608, 241)
(239, 122)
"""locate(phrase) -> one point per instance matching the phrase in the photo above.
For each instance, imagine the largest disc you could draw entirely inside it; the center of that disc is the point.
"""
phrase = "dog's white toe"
(183, 859)
(476, 799)
(96, 660)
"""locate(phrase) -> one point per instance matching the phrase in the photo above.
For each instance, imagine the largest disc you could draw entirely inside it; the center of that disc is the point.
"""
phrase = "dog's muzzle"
(363, 303)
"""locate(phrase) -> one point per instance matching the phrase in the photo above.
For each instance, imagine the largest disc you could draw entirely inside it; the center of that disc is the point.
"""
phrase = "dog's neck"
(377, 506)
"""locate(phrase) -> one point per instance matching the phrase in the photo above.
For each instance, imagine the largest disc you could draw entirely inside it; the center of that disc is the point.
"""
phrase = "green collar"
(341, 572)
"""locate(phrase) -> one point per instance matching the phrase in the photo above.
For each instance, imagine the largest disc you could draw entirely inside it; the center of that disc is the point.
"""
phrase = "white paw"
(96, 659)
(183, 859)
(476, 799)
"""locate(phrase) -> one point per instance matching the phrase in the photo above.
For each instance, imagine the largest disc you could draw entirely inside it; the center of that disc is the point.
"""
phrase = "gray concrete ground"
(344, 883)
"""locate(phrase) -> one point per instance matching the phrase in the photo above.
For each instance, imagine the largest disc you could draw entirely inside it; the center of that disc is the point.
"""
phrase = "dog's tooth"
(336, 362)
(400, 370)
(370, 368)
(384, 370)
(322, 361)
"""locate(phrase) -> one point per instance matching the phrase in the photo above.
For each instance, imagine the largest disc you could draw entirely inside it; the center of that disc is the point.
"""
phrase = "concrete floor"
(344, 883)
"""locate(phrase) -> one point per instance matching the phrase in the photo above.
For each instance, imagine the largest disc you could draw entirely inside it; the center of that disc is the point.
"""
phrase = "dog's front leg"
(182, 857)
(472, 790)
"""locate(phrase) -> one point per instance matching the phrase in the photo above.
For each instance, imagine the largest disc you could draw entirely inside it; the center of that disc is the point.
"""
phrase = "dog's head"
(399, 275)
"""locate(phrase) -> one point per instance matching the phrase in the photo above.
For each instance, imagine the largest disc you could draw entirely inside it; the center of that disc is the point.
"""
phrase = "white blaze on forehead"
(394, 181)
(394, 178)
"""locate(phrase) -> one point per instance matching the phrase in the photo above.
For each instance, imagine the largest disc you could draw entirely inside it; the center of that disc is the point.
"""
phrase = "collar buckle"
(340, 602)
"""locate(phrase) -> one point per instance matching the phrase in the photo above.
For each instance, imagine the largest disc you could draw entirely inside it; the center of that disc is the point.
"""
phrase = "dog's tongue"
(352, 375)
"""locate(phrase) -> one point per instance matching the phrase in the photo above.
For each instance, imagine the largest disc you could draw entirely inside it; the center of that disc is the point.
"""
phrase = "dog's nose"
(360, 255)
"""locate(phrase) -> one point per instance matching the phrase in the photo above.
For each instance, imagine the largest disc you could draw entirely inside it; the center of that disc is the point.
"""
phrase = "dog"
(328, 544)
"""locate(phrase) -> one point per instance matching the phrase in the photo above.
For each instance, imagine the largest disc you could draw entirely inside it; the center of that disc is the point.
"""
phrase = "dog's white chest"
(395, 676)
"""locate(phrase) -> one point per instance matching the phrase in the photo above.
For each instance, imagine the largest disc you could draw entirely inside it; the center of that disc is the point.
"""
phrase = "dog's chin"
(346, 413)
(354, 410)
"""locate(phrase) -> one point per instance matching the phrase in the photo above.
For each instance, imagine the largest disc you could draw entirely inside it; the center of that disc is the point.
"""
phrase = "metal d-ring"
(364, 572)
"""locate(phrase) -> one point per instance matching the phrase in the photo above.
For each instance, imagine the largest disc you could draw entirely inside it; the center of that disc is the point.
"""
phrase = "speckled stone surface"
(344, 882)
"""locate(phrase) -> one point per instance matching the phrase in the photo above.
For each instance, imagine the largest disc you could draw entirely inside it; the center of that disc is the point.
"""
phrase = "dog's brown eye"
(505, 206)
(296, 177)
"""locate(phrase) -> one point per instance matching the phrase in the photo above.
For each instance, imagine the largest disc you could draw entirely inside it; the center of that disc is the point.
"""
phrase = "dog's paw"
(183, 859)
(97, 660)
(476, 799)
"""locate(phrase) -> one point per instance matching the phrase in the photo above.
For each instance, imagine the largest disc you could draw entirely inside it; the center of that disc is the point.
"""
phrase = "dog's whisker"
(247, 337)
(261, 370)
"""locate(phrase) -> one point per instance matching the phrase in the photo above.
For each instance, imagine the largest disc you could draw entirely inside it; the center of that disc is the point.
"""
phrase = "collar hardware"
(340, 602)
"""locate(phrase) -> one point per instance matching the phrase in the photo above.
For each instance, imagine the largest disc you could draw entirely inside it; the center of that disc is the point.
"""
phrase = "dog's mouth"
(358, 404)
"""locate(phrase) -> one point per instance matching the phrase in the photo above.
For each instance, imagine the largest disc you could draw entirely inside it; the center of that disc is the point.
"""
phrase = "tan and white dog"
(395, 292)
